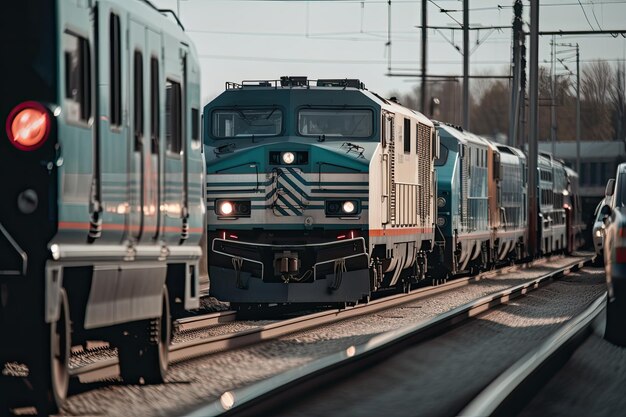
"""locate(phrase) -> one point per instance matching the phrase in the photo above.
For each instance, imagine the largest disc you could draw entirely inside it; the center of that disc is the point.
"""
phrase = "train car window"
(383, 128)
(443, 156)
(195, 125)
(77, 77)
(138, 99)
(407, 136)
(340, 123)
(115, 62)
(155, 120)
(242, 123)
(173, 119)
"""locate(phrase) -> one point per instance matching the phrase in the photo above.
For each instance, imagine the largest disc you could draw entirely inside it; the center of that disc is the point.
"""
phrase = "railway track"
(109, 368)
(271, 393)
(513, 389)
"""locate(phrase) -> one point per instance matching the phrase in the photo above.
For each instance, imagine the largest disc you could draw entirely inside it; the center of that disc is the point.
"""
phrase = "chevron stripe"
(288, 205)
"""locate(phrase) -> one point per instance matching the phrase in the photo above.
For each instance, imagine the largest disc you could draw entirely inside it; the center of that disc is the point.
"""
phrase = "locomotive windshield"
(443, 156)
(354, 123)
(230, 123)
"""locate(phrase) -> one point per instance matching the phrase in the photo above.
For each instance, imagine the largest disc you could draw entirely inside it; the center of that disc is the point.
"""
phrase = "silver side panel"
(123, 293)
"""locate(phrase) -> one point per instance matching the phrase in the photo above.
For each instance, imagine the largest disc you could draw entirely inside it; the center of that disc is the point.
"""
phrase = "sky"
(265, 39)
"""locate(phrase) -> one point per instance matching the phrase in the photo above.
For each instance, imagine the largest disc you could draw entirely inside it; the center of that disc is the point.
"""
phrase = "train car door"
(176, 143)
(144, 163)
(152, 154)
(137, 34)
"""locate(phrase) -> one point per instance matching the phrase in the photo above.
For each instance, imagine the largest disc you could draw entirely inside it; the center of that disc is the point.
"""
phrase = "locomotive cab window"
(77, 78)
(173, 118)
(443, 156)
(339, 123)
(245, 123)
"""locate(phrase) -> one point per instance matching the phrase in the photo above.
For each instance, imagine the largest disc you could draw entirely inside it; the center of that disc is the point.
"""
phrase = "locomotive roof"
(298, 85)
(463, 136)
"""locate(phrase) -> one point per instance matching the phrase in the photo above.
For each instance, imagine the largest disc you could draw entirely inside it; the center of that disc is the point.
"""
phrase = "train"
(323, 192)
(103, 182)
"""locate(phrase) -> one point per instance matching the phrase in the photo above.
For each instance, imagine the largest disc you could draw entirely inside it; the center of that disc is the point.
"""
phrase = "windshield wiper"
(229, 147)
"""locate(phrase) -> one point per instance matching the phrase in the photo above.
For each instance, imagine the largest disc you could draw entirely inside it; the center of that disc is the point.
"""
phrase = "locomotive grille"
(465, 187)
(424, 160)
(392, 176)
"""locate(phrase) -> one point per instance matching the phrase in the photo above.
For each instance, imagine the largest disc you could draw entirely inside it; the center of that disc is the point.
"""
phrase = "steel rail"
(261, 397)
(109, 368)
(510, 391)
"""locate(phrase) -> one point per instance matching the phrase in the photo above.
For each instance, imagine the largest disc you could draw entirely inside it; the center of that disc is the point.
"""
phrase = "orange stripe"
(85, 226)
(399, 232)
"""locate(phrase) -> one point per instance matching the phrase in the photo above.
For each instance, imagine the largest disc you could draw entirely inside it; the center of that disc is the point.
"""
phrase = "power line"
(585, 13)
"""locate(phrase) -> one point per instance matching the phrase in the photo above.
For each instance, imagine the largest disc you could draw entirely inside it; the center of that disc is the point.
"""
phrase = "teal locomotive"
(317, 192)
(102, 189)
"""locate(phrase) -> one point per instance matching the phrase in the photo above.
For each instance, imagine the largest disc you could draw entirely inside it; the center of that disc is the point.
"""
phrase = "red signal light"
(28, 125)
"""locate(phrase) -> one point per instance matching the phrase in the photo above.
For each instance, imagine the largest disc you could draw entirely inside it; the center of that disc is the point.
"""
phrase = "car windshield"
(335, 122)
(231, 123)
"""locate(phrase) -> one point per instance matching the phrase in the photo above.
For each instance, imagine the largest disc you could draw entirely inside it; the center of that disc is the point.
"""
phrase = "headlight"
(599, 233)
(348, 207)
(441, 221)
(237, 208)
(225, 208)
(441, 202)
(342, 207)
(288, 158)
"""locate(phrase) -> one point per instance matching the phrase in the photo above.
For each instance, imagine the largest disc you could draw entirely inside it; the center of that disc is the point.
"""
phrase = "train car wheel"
(615, 326)
(50, 370)
(144, 356)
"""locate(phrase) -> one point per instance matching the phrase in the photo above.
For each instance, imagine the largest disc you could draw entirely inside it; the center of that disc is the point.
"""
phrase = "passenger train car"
(102, 189)
(324, 192)
(317, 191)
(481, 203)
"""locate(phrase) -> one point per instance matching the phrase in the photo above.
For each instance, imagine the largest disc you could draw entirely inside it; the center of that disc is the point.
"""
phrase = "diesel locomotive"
(316, 191)
(325, 192)
(102, 189)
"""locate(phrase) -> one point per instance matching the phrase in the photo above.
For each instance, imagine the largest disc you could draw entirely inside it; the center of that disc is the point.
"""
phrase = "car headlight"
(233, 208)
(288, 157)
(441, 202)
(599, 233)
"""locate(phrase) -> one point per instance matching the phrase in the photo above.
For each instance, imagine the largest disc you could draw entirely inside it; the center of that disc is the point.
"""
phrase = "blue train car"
(317, 192)
(462, 201)
(102, 185)
(508, 203)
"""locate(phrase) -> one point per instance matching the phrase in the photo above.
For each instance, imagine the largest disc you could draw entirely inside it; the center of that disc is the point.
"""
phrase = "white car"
(615, 257)
(598, 231)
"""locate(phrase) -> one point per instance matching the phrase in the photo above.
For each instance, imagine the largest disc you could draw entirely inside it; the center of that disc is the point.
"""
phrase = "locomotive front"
(287, 191)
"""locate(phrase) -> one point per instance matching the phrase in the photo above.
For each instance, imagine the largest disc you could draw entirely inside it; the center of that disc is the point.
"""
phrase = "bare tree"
(595, 87)
(618, 102)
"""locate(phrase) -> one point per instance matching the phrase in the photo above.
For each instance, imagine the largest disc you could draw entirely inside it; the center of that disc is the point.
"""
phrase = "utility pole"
(532, 133)
(577, 110)
(515, 85)
(424, 57)
(466, 53)
(553, 98)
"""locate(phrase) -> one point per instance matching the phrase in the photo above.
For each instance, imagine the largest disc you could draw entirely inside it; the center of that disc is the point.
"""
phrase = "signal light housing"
(28, 125)
(233, 208)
